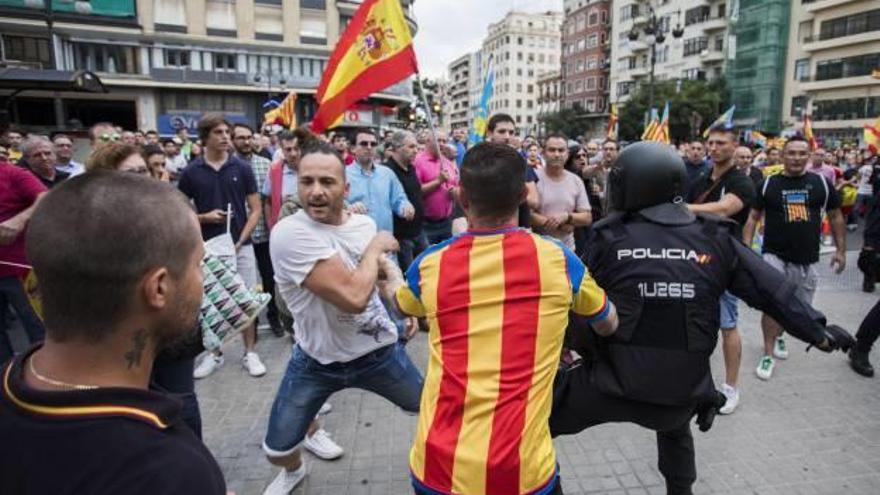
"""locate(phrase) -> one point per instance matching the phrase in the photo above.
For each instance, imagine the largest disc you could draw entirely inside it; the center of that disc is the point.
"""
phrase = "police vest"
(666, 278)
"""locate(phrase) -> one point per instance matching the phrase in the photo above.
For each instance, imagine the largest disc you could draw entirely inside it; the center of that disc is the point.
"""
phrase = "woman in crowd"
(155, 158)
(117, 156)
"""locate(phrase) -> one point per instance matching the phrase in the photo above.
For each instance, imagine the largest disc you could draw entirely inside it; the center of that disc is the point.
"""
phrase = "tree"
(692, 106)
(414, 113)
(564, 121)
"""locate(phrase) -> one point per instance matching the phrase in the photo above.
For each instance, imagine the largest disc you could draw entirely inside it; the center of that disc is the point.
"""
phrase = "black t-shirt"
(408, 229)
(102, 441)
(732, 182)
(525, 214)
(793, 208)
(59, 178)
(757, 176)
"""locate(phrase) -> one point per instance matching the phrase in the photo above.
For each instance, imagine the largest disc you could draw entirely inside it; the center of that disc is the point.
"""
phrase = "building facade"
(522, 47)
(699, 54)
(550, 95)
(463, 77)
(167, 62)
(833, 47)
(586, 53)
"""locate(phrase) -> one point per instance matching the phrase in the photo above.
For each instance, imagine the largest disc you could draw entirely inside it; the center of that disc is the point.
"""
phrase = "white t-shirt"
(565, 195)
(865, 186)
(323, 331)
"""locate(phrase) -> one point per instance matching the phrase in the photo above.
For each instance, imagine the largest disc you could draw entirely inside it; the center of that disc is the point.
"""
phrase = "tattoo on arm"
(139, 343)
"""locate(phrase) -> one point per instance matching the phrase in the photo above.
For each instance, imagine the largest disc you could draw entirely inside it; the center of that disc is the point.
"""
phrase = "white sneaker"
(732, 395)
(765, 368)
(325, 409)
(286, 481)
(251, 362)
(323, 446)
(779, 349)
(209, 364)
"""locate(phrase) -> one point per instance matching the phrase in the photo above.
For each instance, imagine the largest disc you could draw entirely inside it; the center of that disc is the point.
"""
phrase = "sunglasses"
(368, 144)
(110, 137)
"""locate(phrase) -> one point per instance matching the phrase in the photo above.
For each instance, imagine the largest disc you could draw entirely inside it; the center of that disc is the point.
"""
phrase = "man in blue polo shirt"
(214, 181)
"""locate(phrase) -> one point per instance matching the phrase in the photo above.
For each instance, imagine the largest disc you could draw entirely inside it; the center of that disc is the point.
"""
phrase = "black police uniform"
(665, 270)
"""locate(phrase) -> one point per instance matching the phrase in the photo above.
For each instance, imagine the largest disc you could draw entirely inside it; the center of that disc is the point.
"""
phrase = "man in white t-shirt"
(562, 197)
(330, 266)
(865, 193)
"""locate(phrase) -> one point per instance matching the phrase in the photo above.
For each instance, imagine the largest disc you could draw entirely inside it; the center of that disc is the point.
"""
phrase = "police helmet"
(647, 173)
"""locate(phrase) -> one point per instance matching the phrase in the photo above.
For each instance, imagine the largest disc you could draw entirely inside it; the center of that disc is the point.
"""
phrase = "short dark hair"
(365, 131)
(556, 135)
(126, 225)
(94, 129)
(499, 118)
(243, 126)
(613, 141)
(59, 135)
(492, 180)
(723, 129)
(303, 135)
(167, 141)
(150, 150)
(151, 132)
(797, 138)
(318, 147)
(208, 122)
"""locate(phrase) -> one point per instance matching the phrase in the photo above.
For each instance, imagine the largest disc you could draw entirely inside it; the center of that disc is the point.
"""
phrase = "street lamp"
(654, 35)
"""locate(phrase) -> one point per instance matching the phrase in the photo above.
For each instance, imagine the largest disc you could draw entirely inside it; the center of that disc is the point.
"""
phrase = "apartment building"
(833, 47)
(586, 53)
(550, 95)
(464, 84)
(167, 62)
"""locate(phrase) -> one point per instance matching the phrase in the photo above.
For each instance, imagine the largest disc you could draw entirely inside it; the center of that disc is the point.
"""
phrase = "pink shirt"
(825, 170)
(438, 204)
(18, 191)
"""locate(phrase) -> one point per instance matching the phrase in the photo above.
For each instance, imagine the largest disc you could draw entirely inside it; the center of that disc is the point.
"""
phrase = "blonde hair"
(109, 156)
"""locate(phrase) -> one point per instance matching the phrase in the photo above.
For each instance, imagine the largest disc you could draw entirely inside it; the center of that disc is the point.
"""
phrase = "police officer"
(665, 270)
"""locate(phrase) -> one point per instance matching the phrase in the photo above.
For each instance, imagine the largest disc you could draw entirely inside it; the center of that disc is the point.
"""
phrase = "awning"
(19, 80)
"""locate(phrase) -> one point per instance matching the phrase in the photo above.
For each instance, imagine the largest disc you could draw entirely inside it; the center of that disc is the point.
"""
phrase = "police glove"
(706, 411)
(836, 338)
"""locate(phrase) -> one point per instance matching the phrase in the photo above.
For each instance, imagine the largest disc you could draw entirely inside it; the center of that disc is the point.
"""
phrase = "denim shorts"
(729, 311)
(307, 384)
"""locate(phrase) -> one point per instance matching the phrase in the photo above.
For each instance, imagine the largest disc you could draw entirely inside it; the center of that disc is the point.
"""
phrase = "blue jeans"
(729, 311)
(437, 231)
(409, 249)
(307, 384)
(12, 293)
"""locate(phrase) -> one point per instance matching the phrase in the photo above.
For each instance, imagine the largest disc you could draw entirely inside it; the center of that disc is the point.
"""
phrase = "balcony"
(638, 72)
(820, 5)
(711, 56)
(640, 19)
(811, 84)
(714, 24)
(638, 46)
(815, 43)
(198, 76)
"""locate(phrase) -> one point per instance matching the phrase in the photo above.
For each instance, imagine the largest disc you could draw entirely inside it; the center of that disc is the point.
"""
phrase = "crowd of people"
(362, 239)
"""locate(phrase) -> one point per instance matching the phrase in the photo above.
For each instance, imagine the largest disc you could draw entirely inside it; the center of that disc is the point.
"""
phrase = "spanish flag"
(612, 123)
(375, 52)
(872, 136)
(284, 114)
(808, 132)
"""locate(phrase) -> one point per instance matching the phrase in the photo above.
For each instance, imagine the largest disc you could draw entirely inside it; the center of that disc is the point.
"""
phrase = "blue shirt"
(379, 190)
(288, 183)
(460, 150)
(211, 189)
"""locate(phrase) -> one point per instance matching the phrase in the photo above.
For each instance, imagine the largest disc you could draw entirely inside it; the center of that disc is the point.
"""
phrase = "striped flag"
(725, 120)
(651, 128)
(808, 132)
(613, 123)
(284, 114)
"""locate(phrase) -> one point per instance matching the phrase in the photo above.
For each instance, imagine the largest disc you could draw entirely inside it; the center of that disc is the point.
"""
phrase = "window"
(694, 46)
(529, 104)
(220, 15)
(798, 105)
(170, 12)
(176, 58)
(629, 11)
(519, 72)
(593, 19)
(518, 103)
(313, 29)
(591, 83)
(113, 59)
(593, 41)
(694, 74)
(604, 16)
(27, 49)
(719, 43)
(529, 118)
(579, 85)
(529, 89)
(623, 88)
(591, 63)
(590, 105)
(849, 25)
(313, 4)
(846, 108)
(802, 70)
(861, 65)
(519, 88)
(722, 11)
(225, 62)
(580, 66)
(268, 22)
(696, 15)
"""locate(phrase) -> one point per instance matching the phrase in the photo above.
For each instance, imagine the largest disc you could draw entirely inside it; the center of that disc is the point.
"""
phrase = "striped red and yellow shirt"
(497, 303)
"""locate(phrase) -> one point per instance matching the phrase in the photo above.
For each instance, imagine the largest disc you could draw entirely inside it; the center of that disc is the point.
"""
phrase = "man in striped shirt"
(497, 299)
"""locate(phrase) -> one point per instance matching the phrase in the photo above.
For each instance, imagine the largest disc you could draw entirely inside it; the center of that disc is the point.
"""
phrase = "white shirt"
(176, 164)
(323, 331)
(865, 186)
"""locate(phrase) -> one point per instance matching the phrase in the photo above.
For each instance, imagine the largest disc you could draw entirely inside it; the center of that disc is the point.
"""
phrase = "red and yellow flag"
(808, 132)
(375, 52)
(611, 133)
(872, 136)
(284, 114)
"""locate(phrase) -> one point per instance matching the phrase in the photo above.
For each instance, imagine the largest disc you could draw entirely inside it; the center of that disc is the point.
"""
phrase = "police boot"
(858, 361)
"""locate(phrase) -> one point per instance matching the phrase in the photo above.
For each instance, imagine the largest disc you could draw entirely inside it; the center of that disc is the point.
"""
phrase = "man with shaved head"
(742, 158)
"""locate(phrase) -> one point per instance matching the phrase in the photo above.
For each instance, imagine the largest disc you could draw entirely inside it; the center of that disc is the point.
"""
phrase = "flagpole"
(430, 117)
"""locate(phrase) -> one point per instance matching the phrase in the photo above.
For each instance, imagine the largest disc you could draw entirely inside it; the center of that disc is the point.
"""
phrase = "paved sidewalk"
(813, 429)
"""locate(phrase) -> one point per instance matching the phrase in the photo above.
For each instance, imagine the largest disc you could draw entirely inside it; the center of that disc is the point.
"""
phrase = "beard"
(180, 327)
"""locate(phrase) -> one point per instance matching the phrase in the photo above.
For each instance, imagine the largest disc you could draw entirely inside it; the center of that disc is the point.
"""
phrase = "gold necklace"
(56, 383)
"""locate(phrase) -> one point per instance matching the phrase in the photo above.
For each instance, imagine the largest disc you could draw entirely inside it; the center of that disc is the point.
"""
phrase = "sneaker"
(858, 361)
(209, 364)
(251, 362)
(852, 227)
(779, 349)
(323, 446)
(286, 481)
(732, 395)
(765, 368)
(325, 409)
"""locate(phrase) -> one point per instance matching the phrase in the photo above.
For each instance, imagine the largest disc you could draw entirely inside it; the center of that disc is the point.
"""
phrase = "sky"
(450, 28)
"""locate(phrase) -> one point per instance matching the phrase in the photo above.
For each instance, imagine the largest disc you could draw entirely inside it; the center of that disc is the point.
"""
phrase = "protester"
(791, 205)
(64, 156)
(742, 158)
(78, 405)
(410, 234)
(219, 184)
(817, 165)
(281, 185)
(374, 189)
(562, 197)
(865, 193)
(340, 143)
(20, 192)
(13, 140)
(182, 135)
(497, 298)
(501, 129)
(127, 137)
(459, 140)
(155, 158)
(725, 191)
(39, 154)
(103, 133)
(175, 162)
(327, 263)
(695, 160)
(439, 179)
(117, 156)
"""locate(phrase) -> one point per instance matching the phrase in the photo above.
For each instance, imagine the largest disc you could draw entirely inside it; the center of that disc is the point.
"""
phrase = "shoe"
(209, 364)
(765, 368)
(852, 227)
(858, 361)
(323, 446)
(779, 349)
(732, 395)
(325, 409)
(251, 362)
(286, 481)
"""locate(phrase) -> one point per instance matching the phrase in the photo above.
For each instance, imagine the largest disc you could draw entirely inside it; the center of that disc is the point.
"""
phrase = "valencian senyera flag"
(481, 119)
(808, 132)
(376, 51)
(284, 114)
(651, 128)
(661, 130)
(724, 121)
